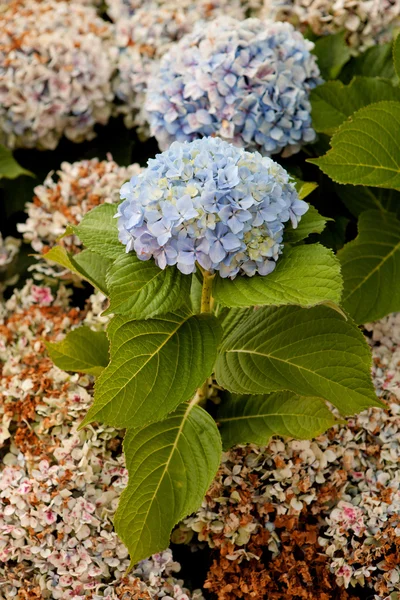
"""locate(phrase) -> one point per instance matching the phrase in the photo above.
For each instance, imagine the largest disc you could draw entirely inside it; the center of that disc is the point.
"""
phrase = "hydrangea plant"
(222, 312)
(246, 81)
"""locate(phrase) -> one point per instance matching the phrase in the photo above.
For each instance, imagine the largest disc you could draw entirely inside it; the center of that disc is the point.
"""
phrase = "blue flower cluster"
(245, 81)
(212, 203)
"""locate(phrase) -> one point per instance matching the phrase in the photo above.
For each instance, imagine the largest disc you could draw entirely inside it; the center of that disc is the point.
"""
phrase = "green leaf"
(171, 464)
(375, 62)
(98, 231)
(140, 289)
(305, 275)
(195, 295)
(366, 149)
(332, 53)
(396, 55)
(311, 222)
(304, 188)
(255, 419)
(86, 264)
(334, 235)
(155, 366)
(230, 318)
(311, 352)
(371, 267)
(361, 198)
(82, 350)
(93, 267)
(333, 102)
(9, 168)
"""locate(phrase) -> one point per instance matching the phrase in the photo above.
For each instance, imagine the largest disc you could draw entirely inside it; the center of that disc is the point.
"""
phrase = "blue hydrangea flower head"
(245, 81)
(211, 203)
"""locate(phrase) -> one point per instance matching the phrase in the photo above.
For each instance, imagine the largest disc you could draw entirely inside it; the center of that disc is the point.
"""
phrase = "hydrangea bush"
(231, 308)
(202, 9)
(247, 82)
(365, 23)
(202, 228)
(142, 35)
(56, 64)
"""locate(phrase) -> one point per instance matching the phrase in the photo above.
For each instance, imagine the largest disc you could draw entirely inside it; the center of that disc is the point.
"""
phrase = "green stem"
(207, 300)
(206, 306)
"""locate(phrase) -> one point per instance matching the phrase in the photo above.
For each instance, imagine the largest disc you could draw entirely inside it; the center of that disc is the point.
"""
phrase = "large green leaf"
(333, 102)
(366, 149)
(9, 168)
(311, 222)
(255, 419)
(375, 62)
(98, 231)
(231, 318)
(311, 352)
(155, 366)
(141, 289)
(304, 275)
(371, 267)
(86, 264)
(82, 350)
(361, 198)
(332, 53)
(171, 465)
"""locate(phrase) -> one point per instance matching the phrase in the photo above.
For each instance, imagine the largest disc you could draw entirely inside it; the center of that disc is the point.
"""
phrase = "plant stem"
(207, 300)
(206, 305)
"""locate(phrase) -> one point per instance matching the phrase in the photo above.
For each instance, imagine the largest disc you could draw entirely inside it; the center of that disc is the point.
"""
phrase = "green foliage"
(375, 62)
(230, 318)
(255, 419)
(99, 232)
(333, 102)
(277, 349)
(396, 55)
(140, 289)
(304, 275)
(311, 222)
(82, 350)
(195, 294)
(304, 188)
(311, 352)
(86, 264)
(365, 149)
(332, 53)
(360, 198)
(171, 464)
(9, 168)
(155, 366)
(371, 267)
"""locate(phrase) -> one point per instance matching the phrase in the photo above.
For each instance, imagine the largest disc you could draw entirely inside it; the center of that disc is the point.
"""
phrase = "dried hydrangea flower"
(247, 82)
(200, 9)
(212, 203)
(59, 488)
(56, 61)
(365, 22)
(142, 38)
(65, 198)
